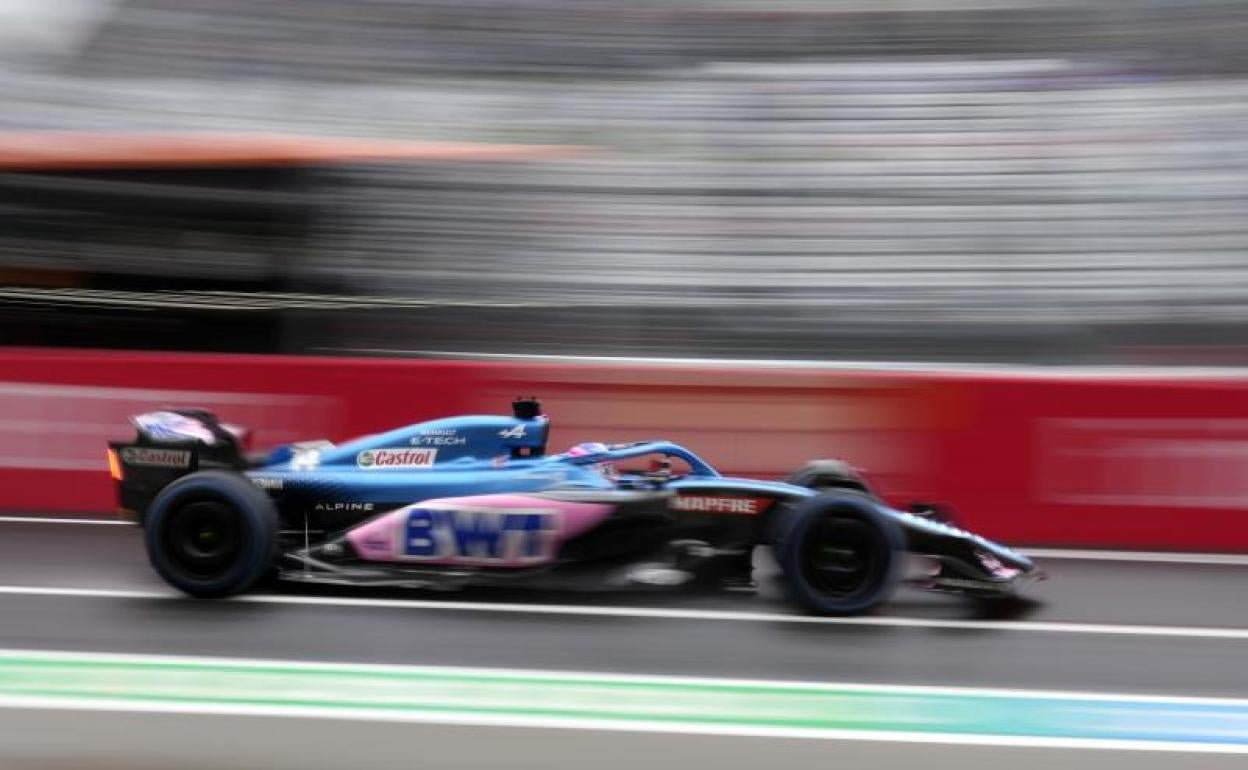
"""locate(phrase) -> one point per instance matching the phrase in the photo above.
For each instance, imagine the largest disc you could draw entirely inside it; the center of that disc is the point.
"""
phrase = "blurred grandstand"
(1030, 180)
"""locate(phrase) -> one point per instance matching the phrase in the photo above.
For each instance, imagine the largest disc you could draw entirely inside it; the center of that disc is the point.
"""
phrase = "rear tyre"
(840, 555)
(211, 534)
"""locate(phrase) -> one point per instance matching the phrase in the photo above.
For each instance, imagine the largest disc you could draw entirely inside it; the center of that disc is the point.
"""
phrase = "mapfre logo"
(744, 506)
(396, 458)
(156, 458)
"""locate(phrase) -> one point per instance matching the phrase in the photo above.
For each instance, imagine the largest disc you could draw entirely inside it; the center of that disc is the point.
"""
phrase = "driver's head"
(588, 448)
(594, 448)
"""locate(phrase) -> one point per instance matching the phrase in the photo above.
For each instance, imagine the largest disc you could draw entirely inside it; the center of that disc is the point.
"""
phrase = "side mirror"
(934, 511)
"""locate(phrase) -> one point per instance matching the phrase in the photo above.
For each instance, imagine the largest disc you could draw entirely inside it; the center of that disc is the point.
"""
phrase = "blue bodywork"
(471, 456)
(477, 455)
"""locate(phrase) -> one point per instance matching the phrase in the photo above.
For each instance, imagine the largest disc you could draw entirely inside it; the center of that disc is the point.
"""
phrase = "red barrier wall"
(1064, 459)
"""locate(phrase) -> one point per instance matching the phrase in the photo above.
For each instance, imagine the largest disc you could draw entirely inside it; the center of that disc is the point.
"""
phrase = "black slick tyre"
(840, 554)
(211, 534)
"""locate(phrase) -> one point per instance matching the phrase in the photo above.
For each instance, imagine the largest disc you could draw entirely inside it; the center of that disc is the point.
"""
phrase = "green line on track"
(86, 681)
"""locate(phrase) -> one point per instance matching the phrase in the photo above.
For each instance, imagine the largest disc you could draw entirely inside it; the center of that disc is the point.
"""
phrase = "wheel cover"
(204, 538)
(841, 556)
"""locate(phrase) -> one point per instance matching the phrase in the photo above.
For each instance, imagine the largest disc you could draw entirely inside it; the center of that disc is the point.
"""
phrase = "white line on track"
(1144, 557)
(471, 717)
(61, 520)
(203, 661)
(475, 719)
(664, 613)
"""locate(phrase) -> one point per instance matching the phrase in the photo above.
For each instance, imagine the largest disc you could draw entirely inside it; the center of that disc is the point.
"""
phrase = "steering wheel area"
(663, 462)
(654, 472)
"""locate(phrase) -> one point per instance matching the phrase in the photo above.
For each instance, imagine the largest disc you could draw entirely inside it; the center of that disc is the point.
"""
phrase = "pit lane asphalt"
(1178, 596)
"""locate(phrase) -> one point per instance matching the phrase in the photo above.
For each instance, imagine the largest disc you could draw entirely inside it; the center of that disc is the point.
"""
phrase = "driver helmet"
(587, 448)
(593, 448)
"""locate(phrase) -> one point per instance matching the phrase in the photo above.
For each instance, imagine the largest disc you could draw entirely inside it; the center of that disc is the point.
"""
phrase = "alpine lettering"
(479, 536)
(156, 458)
(372, 459)
(746, 506)
(336, 507)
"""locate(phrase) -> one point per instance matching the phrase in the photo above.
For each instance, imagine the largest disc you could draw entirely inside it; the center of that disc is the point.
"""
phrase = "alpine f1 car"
(478, 501)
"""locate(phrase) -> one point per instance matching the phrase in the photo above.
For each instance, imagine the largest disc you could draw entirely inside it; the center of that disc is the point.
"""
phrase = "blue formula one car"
(478, 501)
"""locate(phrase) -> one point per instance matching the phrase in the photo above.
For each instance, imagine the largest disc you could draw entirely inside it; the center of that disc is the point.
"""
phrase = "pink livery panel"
(482, 530)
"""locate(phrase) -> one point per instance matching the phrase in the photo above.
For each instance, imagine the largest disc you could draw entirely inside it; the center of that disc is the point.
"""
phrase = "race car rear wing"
(169, 444)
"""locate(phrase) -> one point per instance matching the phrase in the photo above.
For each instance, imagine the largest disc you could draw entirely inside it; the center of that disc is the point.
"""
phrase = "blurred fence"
(390, 39)
(1022, 179)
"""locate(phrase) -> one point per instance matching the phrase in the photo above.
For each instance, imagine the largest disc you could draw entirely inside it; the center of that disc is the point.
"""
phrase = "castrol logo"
(373, 459)
(156, 458)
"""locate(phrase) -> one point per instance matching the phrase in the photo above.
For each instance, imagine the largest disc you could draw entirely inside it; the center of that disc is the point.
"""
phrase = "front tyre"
(211, 534)
(840, 555)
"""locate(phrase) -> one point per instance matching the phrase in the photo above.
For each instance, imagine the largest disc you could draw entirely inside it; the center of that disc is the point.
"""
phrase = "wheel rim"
(841, 556)
(203, 539)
